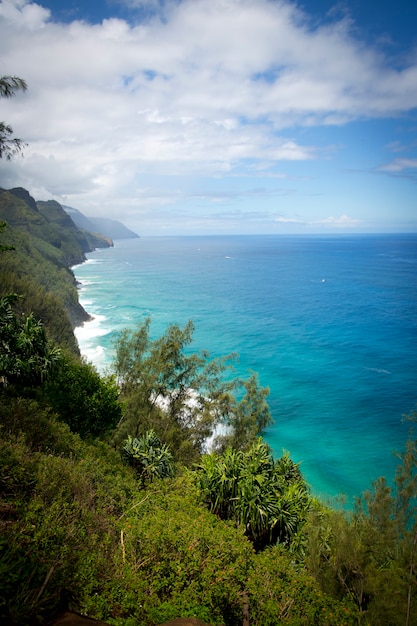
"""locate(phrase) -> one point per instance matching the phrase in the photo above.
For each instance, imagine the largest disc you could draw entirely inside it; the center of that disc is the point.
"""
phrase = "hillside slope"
(46, 244)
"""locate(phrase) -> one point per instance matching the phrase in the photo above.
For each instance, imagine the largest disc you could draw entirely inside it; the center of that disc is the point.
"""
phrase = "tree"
(27, 358)
(10, 146)
(83, 399)
(248, 417)
(182, 395)
(369, 555)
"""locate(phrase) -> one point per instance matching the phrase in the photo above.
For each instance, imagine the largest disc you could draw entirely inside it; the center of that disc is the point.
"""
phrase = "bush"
(279, 592)
(60, 499)
(175, 559)
(83, 399)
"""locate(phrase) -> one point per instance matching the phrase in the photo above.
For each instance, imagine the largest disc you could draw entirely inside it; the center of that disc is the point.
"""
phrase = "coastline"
(339, 379)
(87, 330)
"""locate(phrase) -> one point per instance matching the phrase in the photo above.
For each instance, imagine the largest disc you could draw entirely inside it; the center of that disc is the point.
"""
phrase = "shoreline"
(315, 369)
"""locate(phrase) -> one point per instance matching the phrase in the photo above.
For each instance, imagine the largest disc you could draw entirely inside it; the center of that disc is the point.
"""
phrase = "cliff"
(46, 244)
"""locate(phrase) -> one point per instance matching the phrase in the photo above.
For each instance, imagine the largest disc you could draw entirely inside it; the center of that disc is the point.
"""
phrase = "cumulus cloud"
(211, 88)
(23, 14)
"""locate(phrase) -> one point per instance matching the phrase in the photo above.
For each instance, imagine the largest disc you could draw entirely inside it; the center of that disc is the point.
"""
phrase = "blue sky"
(217, 116)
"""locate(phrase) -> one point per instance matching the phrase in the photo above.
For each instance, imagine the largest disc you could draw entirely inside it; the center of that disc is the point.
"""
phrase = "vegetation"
(44, 243)
(268, 498)
(185, 397)
(26, 356)
(129, 536)
(9, 145)
(149, 456)
(86, 401)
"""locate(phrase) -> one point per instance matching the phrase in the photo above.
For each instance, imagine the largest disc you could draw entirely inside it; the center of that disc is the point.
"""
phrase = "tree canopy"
(9, 145)
(184, 396)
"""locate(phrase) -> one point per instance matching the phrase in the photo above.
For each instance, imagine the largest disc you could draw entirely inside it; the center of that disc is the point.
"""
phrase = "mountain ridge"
(103, 225)
(40, 244)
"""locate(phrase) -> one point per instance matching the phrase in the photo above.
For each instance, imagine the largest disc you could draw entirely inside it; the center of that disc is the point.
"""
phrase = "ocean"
(328, 322)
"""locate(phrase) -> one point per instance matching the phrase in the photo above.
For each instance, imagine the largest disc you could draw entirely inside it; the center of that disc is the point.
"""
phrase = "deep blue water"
(329, 323)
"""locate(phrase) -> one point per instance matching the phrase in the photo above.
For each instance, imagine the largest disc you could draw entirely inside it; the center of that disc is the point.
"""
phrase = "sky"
(184, 117)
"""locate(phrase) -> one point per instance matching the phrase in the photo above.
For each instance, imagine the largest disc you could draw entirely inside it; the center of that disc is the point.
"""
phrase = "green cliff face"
(71, 238)
(46, 244)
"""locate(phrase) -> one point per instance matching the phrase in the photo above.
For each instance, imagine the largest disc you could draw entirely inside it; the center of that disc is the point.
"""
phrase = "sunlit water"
(329, 323)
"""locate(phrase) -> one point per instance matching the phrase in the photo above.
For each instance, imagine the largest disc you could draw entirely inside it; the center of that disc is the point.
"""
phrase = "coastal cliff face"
(46, 243)
(49, 222)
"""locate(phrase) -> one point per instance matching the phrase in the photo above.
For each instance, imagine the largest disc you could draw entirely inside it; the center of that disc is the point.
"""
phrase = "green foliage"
(57, 530)
(149, 456)
(45, 306)
(78, 530)
(9, 145)
(369, 556)
(86, 401)
(164, 389)
(257, 492)
(176, 559)
(33, 260)
(27, 358)
(59, 503)
(46, 242)
(280, 592)
(183, 396)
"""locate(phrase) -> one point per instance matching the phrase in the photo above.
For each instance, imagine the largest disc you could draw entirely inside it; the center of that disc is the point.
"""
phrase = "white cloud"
(399, 165)
(343, 221)
(24, 15)
(212, 87)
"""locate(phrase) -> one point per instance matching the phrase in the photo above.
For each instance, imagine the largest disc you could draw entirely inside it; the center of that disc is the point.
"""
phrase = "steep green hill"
(46, 243)
(70, 234)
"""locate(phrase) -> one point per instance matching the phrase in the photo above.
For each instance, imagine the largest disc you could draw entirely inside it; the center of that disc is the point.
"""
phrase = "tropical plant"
(251, 489)
(149, 456)
(9, 146)
(26, 356)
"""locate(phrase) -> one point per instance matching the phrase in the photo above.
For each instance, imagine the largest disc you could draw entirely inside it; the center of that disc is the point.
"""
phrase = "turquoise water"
(329, 323)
